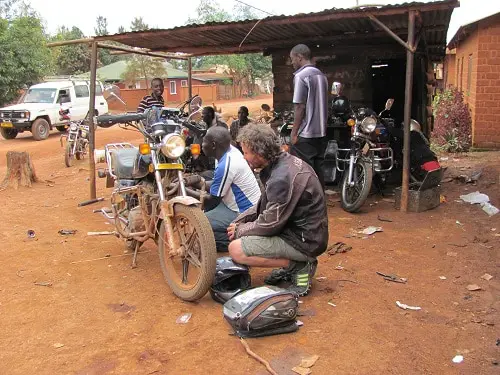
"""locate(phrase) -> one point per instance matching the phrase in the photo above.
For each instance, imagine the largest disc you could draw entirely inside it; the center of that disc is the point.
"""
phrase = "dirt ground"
(102, 317)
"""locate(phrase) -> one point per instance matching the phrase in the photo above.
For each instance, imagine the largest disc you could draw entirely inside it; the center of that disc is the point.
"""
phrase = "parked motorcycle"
(150, 201)
(77, 142)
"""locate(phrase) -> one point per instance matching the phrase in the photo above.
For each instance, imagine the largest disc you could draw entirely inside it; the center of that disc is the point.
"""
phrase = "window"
(461, 73)
(184, 83)
(82, 91)
(98, 89)
(173, 87)
(469, 74)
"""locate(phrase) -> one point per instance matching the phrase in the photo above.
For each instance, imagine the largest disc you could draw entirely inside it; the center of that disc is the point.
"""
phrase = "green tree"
(105, 57)
(141, 67)
(209, 11)
(8, 8)
(122, 30)
(24, 55)
(138, 24)
(73, 58)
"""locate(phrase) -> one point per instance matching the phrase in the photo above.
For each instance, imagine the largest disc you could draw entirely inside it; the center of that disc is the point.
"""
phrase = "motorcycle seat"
(123, 162)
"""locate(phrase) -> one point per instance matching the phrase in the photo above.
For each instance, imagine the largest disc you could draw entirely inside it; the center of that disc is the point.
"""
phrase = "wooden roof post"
(93, 77)
(405, 185)
(190, 82)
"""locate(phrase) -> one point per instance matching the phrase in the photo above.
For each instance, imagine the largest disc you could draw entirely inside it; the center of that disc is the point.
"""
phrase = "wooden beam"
(142, 52)
(68, 42)
(391, 33)
(93, 77)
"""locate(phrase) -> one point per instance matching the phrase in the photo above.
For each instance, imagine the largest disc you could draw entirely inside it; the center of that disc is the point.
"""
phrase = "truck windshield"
(40, 96)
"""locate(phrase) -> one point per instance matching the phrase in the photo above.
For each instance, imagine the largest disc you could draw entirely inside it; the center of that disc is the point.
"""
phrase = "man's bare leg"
(236, 252)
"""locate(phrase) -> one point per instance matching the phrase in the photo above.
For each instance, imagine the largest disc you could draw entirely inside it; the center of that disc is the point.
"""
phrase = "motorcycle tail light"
(144, 149)
(195, 149)
(351, 122)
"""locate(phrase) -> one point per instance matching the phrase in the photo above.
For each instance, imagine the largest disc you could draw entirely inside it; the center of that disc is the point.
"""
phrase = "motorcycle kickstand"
(134, 259)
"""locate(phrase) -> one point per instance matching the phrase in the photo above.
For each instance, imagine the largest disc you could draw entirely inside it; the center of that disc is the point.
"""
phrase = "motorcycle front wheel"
(353, 197)
(68, 154)
(189, 276)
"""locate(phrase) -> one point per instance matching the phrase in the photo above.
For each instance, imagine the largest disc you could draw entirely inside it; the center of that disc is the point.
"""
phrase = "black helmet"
(230, 279)
(340, 105)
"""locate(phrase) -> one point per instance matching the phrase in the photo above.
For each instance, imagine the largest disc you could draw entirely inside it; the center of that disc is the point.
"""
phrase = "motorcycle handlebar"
(106, 121)
(195, 129)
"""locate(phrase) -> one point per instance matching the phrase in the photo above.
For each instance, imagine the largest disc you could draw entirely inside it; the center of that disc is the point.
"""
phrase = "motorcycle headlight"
(173, 146)
(368, 124)
(73, 127)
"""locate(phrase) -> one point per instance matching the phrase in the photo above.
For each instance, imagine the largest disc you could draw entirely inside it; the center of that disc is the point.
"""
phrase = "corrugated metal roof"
(333, 26)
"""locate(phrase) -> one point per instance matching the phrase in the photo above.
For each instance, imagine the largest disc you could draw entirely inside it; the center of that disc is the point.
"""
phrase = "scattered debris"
(446, 180)
(90, 201)
(407, 307)
(58, 345)
(458, 223)
(30, 233)
(371, 230)
(184, 318)
(330, 192)
(451, 254)
(442, 277)
(43, 283)
(18, 273)
(487, 277)
(473, 287)
(490, 209)
(442, 199)
(257, 357)
(300, 323)
(457, 245)
(121, 307)
(339, 267)
(105, 233)
(309, 362)
(469, 179)
(301, 370)
(321, 278)
(394, 278)
(332, 304)
(107, 257)
(458, 359)
(475, 198)
(486, 246)
(66, 232)
(337, 248)
(380, 218)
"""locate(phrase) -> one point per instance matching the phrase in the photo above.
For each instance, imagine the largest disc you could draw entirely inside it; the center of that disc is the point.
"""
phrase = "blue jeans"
(220, 218)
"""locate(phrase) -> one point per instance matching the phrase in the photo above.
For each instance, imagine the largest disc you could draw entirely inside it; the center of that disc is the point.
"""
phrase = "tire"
(362, 170)
(9, 133)
(68, 154)
(40, 129)
(204, 248)
(61, 128)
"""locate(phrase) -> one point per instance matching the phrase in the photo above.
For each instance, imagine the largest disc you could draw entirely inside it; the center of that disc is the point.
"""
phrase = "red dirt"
(102, 317)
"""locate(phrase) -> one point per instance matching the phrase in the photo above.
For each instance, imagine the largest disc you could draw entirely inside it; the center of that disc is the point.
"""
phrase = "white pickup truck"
(39, 111)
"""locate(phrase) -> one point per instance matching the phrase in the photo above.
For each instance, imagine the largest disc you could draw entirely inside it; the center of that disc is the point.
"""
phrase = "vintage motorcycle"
(77, 142)
(150, 201)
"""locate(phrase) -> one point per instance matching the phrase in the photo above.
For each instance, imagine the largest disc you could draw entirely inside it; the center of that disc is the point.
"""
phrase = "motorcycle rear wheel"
(68, 154)
(194, 232)
(353, 197)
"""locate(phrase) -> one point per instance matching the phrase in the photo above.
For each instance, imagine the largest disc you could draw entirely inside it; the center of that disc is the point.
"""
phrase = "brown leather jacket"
(292, 207)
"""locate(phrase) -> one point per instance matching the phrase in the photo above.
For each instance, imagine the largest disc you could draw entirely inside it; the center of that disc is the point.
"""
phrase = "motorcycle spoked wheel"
(68, 154)
(353, 197)
(189, 276)
(81, 154)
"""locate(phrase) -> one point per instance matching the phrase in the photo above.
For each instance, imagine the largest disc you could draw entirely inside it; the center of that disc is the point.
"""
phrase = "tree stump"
(20, 170)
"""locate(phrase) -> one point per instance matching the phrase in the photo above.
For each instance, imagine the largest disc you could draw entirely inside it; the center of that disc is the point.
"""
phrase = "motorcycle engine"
(135, 220)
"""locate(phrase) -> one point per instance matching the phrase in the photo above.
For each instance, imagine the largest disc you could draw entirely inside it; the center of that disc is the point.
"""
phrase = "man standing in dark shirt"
(155, 99)
(236, 125)
(209, 117)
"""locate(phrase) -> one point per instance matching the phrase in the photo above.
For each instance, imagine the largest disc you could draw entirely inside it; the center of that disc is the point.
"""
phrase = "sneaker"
(278, 275)
(302, 277)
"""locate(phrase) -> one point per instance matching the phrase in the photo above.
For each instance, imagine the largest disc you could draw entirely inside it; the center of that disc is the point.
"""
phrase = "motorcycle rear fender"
(168, 206)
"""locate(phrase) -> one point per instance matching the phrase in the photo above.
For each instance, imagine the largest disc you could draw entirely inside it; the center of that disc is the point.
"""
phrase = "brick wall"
(486, 127)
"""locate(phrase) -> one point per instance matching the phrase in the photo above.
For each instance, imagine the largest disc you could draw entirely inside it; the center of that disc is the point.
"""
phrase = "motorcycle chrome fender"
(167, 213)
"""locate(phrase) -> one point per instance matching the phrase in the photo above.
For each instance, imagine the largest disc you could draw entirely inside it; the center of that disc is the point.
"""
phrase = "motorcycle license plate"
(163, 166)
(6, 125)
(366, 148)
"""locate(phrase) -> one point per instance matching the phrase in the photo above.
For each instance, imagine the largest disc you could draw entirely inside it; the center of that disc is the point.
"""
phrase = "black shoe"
(278, 275)
(302, 277)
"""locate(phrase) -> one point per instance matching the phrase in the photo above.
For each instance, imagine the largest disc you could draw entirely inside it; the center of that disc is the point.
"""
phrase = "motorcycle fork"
(352, 162)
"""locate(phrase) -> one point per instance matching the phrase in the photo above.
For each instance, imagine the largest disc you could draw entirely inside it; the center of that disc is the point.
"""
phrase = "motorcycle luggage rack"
(112, 147)
(374, 154)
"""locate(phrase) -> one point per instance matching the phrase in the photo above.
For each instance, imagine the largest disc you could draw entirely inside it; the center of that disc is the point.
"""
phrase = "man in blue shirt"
(234, 188)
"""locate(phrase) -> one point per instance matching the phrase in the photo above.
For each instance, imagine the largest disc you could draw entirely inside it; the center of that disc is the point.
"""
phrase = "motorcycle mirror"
(389, 103)
(336, 87)
(112, 92)
(195, 116)
(195, 104)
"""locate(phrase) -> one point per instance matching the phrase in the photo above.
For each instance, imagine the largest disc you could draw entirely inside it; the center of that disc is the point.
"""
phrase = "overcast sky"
(171, 13)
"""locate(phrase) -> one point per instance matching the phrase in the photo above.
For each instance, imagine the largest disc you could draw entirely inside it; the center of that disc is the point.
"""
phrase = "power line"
(251, 6)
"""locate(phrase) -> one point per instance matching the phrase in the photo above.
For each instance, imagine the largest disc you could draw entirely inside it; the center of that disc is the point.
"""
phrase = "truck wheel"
(61, 128)
(40, 129)
(9, 133)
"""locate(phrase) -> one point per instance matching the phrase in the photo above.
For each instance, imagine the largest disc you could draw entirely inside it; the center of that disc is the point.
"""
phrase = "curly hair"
(261, 140)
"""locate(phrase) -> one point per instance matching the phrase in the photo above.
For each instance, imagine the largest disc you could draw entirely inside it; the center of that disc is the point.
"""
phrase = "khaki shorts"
(271, 247)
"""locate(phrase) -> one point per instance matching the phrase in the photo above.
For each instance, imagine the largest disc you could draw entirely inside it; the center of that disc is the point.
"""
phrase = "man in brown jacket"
(288, 227)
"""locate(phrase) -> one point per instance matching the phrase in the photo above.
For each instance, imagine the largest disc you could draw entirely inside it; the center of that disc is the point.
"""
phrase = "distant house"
(472, 64)
(176, 81)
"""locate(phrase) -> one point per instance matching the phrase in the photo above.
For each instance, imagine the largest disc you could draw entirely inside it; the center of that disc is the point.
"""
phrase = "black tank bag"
(262, 311)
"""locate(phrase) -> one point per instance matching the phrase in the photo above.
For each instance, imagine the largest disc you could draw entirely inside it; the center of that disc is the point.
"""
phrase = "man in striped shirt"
(155, 99)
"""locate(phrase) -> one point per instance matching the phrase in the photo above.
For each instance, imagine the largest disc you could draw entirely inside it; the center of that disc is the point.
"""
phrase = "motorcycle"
(77, 142)
(150, 201)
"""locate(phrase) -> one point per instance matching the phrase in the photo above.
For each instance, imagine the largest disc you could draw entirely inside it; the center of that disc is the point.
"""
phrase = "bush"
(452, 121)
